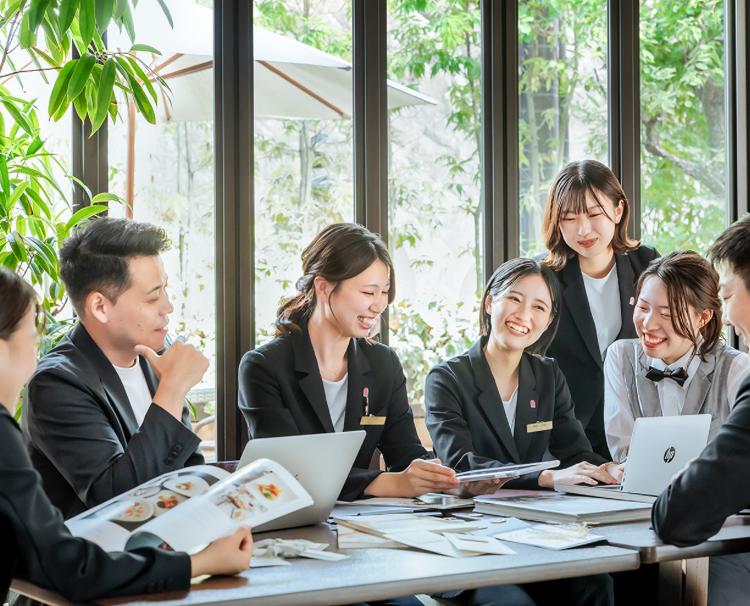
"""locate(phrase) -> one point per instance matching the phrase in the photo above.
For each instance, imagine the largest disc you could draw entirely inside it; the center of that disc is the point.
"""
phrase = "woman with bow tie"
(679, 364)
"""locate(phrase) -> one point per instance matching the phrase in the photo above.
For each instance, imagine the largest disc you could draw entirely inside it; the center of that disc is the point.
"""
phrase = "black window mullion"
(234, 222)
(90, 159)
(369, 22)
(500, 115)
(623, 70)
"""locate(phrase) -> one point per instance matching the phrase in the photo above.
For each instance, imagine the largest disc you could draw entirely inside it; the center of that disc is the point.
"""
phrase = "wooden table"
(372, 574)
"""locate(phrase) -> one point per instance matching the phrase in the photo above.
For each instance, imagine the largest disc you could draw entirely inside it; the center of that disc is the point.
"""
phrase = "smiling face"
(356, 305)
(590, 234)
(736, 300)
(140, 315)
(520, 313)
(653, 323)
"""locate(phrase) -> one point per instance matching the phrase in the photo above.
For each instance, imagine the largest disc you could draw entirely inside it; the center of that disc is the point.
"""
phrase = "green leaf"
(124, 17)
(104, 94)
(18, 117)
(36, 13)
(104, 11)
(15, 241)
(85, 213)
(27, 36)
(57, 97)
(68, 10)
(145, 48)
(79, 103)
(80, 76)
(141, 100)
(143, 78)
(34, 146)
(87, 20)
(167, 14)
(105, 197)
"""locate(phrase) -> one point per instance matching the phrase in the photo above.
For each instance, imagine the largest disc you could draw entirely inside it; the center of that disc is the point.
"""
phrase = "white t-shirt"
(336, 400)
(136, 388)
(510, 410)
(604, 301)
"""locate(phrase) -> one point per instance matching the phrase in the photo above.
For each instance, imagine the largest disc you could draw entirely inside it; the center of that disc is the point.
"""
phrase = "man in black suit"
(699, 499)
(103, 412)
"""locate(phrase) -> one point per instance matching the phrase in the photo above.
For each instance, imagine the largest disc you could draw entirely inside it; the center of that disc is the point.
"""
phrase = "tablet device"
(505, 471)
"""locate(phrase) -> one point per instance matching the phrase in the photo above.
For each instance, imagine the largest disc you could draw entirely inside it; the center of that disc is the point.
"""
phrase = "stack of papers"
(555, 507)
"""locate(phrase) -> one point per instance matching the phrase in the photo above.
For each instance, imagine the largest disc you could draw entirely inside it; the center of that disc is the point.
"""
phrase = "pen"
(365, 402)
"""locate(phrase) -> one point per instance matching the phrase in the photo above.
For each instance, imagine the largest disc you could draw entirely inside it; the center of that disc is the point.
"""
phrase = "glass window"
(165, 172)
(303, 138)
(683, 143)
(562, 55)
(435, 215)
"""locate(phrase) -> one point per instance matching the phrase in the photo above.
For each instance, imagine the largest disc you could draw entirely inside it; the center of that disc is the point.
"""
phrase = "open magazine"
(187, 509)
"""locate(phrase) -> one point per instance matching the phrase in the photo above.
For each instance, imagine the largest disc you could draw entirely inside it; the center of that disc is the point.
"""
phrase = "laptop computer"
(320, 462)
(660, 448)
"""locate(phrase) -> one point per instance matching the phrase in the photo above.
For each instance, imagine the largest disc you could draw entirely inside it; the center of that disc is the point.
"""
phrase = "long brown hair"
(339, 252)
(16, 296)
(690, 282)
(568, 195)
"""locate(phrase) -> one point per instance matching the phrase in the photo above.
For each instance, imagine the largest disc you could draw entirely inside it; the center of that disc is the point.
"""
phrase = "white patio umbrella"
(292, 80)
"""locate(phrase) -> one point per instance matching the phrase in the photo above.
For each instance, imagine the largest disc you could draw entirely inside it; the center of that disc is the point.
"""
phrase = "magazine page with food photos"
(187, 509)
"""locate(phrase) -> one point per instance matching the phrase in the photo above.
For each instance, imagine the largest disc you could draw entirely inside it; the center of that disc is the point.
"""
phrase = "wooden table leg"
(670, 583)
(696, 582)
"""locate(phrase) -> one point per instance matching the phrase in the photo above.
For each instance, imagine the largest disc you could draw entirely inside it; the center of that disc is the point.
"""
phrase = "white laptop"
(320, 462)
(660, 448)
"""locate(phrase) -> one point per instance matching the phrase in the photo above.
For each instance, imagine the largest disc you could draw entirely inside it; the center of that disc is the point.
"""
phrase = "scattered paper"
(478, 544)
(263, 562)
(348, 538)
(550, 536)
(430, 541)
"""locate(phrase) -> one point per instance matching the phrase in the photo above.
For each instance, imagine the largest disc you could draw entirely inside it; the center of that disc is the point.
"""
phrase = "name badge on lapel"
(539, 426)
(367, 418)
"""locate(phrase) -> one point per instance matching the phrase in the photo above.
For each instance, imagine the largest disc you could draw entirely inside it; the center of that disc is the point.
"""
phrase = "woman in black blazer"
(499, 403)
(324, 373)
(34, 542)
(586, 222)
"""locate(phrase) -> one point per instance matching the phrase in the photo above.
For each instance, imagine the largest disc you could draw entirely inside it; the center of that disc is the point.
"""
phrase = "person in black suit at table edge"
(34, 542)
(694, 506)
(501, 402)
(586, 220)
(103, 412)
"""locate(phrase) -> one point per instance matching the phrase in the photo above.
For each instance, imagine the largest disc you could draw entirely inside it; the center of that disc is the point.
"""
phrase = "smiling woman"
(323, 373)
(678, 364)
(586, 223)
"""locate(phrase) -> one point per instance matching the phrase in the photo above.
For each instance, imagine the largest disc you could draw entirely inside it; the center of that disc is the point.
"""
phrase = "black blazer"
(36, 545)
(82, 435)
(576, 348)
(469, 428)
(694, 506)
(281, 394)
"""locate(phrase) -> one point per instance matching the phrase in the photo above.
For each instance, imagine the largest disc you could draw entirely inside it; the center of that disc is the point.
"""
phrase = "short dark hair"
(16, 296)
(690, 282)
(504, 278)
(339, 252)
(96, 256)
(733, 247)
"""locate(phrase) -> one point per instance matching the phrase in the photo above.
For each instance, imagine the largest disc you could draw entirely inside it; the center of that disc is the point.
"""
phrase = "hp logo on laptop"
(669, 454)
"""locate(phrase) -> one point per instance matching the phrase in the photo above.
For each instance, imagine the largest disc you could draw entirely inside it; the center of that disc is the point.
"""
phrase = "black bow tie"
(678, 375)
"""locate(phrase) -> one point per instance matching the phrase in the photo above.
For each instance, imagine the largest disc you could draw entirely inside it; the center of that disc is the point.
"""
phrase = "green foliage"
(35, 211)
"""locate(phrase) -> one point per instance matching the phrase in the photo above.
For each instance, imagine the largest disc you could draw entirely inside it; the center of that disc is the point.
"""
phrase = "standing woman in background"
(586, 221)
(34, 542)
